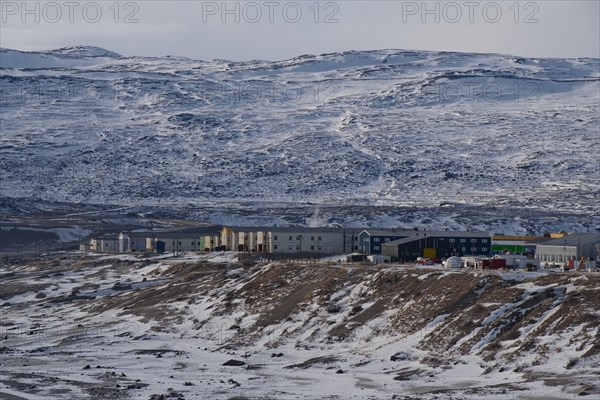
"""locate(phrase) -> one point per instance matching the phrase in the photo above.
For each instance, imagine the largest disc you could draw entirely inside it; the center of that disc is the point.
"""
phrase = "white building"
(312, 241)
(572, 247)
(117, 244)
(124, 243)
(185, 241)
(291, 240)
(106, 245)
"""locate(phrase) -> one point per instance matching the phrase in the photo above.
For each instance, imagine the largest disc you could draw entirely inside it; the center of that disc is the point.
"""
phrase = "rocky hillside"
(135, 328)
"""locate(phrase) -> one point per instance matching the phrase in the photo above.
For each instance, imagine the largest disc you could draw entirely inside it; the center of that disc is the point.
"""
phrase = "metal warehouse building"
(431, 244)
(571, 247)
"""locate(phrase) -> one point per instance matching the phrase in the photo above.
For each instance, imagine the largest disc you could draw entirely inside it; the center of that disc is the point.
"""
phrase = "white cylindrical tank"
(124, 243)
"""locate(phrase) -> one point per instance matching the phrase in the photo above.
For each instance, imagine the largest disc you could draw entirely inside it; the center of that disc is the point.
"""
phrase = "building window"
(312, 247)
(473, 240)
(375, 247)
(452, 240)
(463, 240)
(290, 238)
(274, 237)
(298, 237)
(473, 249)
(312, 238)
(464, 249)
(387, 239)
(484, 249)
(290, 247)
(275, 247)
(356, 238)
(366, 240)
(319, 238)
(297, 247)
(192, 243)
(319, 247)
(376, 239)
(483, 240)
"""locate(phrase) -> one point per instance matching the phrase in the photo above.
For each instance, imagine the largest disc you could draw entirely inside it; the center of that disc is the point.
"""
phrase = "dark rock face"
(234, 363)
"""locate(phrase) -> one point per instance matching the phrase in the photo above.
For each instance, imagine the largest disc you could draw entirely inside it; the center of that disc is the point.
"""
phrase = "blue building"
(370, 241)
(440, 244)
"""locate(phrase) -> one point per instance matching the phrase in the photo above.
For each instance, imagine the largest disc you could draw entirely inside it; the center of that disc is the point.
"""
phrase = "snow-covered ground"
(388, 128)
(128, 327)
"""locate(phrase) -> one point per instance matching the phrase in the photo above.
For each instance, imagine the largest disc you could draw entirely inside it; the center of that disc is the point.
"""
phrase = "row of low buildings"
(394, 244)
(298, 240)
(401, 244)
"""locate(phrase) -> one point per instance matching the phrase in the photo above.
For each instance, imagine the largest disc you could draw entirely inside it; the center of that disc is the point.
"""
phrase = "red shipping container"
(494, 263)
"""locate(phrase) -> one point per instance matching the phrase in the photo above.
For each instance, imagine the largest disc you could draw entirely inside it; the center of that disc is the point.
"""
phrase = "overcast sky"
(243, 30)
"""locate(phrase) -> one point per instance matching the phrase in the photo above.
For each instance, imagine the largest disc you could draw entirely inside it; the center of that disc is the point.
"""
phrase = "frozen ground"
(127, 327)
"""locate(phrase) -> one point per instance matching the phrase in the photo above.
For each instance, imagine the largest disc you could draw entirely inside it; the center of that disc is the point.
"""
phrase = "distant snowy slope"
(385, 127)
(84, 51)
(67, 57)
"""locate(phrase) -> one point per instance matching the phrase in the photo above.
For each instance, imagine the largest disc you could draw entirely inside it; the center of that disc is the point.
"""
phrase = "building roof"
(520, 238)
(389, 232)
(403, 240)
(574, 239)
(292, 229)
(180, 233)
(216, 230)
(541, 240)
(426, 234)
(465, 234)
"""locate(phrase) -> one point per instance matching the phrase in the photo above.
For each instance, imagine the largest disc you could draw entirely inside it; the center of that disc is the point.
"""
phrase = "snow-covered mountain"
(385, 128)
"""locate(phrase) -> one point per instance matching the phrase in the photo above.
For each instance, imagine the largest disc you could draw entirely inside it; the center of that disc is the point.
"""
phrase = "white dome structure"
(453, 262)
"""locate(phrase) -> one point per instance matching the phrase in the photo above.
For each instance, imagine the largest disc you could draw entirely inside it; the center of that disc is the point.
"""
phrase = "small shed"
(491, 263)
(356, 257)
(377, 259)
